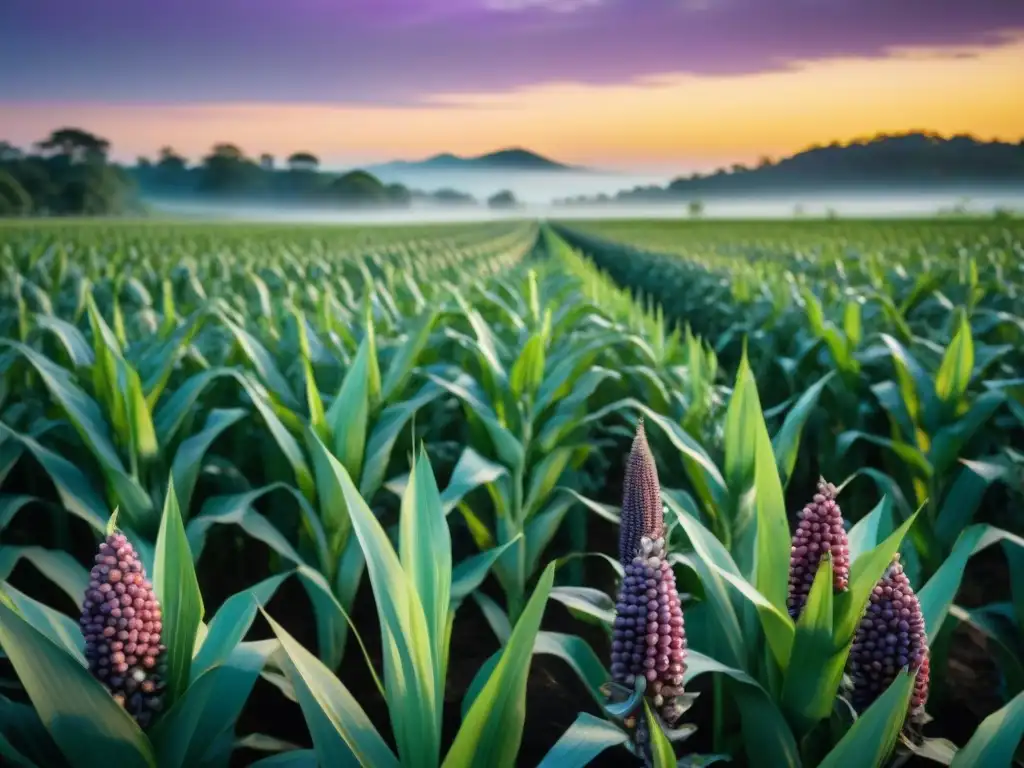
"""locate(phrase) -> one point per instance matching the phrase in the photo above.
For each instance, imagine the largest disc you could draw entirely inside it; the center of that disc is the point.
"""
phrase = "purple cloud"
(405, 51)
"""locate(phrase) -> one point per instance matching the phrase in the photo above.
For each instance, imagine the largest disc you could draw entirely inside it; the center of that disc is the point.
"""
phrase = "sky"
(667, 85)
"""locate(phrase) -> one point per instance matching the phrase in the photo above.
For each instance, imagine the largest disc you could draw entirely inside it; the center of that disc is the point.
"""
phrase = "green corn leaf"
(471, 471)
(867, 532)
(541, 529)
(349, 414)
(342, 734)
(188, 459)
(173, 410)
(949, 441)
(140, 421)
(579, 656)
(957, 365)
(711, 553)
(786, 443)
(333, 510)
(174, 580)
(662, 753)
(815, 668)
(11, 506)
(586, 738)
(57, 566)
(740, 446)
(871, 739)
(61, 629)
(296, 758)
(914, 383)
(772, 541)
(230, 625)
(528, 370)
(852, 323)
(263, 362)
(386, 430)
(905, 451)
(543, 478)
(70, 337)
(470, 573)
(964, 497)
(587, 601)
(493, 727)
(507, 447)
(938, 594)
(89, 727)
(24, 740)
(405, 357)
(83, 412)
(767, 738)
(996, 739)
(425, 547)
(210, 706)
(410, 675)
(314, 403)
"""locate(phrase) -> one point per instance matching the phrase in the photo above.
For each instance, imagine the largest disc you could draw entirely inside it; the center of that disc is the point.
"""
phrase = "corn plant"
(526, 409)
(418, 593)
(139, 678)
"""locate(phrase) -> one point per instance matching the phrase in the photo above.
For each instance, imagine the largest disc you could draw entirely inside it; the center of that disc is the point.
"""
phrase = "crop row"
(250, 400)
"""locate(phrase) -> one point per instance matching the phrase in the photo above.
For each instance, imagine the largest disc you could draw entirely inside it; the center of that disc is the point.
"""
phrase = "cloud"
(400, 52)
(556, 6)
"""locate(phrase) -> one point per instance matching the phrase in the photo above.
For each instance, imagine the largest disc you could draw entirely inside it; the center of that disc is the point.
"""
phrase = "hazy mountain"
(509, 160)
(908, 162)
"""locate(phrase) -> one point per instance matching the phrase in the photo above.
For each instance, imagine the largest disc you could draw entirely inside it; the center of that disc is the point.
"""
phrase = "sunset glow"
(693, 117)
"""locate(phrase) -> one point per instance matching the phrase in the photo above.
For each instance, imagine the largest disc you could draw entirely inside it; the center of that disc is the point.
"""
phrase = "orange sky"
(675, 122)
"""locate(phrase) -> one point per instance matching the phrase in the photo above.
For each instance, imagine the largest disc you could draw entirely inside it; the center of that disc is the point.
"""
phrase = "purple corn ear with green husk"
(649, 637)
(121, 623)
(891, 636)
(819, 530)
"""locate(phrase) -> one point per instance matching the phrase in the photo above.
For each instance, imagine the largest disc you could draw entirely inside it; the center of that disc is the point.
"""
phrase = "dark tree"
(76, 145)
(226, 170)
(267, 162)
(14, 200)
(9, 153)
(171, 161)
(504, 199)
(358, 188)
(303, 161)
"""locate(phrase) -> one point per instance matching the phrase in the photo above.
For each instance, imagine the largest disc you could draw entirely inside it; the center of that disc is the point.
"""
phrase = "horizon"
(683, 87)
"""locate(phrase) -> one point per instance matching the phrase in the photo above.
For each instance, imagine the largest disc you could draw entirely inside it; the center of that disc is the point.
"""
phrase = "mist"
(877, 204)
(531, 187)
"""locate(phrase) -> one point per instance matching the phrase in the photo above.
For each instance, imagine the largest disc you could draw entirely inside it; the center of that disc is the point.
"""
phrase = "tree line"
(910, 162)
(70, 173)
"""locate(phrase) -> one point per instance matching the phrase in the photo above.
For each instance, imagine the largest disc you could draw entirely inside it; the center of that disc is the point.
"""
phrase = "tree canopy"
(70, 173)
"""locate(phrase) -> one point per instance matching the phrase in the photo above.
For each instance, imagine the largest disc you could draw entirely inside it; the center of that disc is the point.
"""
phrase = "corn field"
(512, 494)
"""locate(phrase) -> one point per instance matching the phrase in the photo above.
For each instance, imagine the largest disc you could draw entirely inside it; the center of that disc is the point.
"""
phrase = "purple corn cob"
(121, 623)
(649, 637)
(891, 636)
(820, 530)
(642, 513)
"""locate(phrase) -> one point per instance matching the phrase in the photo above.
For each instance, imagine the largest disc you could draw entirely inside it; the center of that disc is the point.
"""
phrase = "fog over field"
(861, 205)
(536, 187)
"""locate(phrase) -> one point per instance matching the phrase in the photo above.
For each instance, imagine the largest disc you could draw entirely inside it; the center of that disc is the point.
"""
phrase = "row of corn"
(220, 387)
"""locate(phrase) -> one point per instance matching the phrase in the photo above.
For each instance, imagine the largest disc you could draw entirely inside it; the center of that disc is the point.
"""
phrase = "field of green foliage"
(512, 494)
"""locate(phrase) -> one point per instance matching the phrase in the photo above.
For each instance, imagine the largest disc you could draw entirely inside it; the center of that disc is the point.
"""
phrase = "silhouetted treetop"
(75, 144)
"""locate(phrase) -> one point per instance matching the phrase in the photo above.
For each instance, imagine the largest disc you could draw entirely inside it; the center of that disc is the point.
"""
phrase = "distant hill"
(512, 159)
(906, 161)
